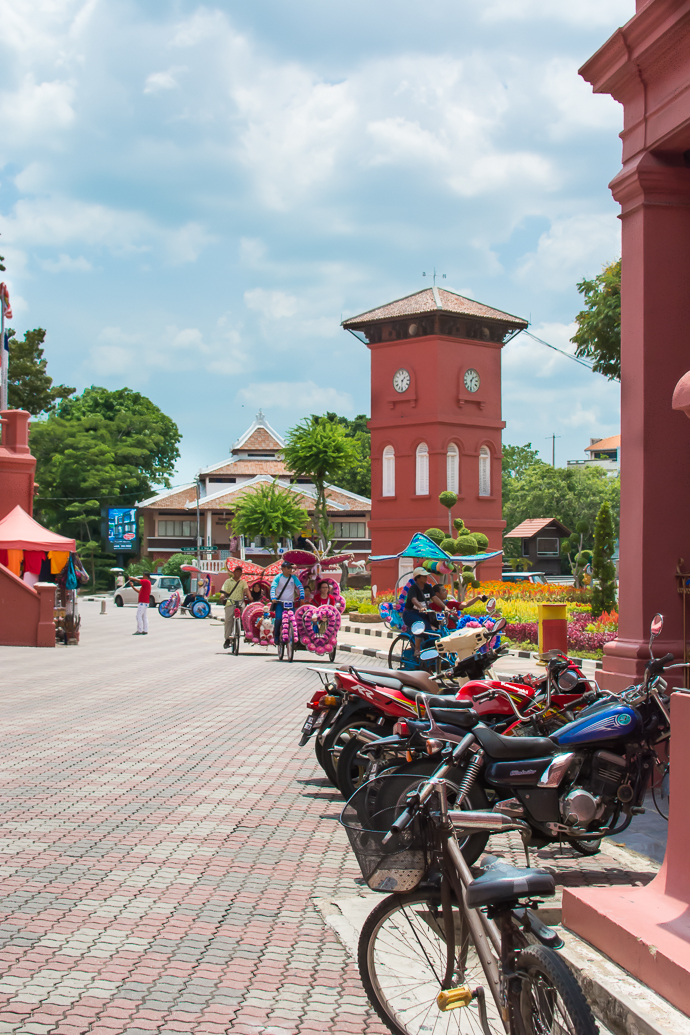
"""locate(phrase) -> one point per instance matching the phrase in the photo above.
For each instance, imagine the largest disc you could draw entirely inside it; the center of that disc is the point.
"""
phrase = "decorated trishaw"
(194, 604)
(442, 567)
(309, 625)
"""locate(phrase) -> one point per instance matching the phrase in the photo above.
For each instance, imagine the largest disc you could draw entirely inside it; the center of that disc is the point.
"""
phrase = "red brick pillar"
(654, 194)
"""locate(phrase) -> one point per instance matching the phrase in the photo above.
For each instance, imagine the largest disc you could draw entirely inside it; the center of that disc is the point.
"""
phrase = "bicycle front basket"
(401, 863)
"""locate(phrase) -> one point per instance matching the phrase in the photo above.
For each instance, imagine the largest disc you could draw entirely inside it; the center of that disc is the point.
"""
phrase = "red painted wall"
(436, 409)
(26, 614)
(646, 66)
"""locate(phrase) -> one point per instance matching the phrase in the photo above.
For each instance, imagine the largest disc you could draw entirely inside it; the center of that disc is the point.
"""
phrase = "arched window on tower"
(422, 479)
(388, 488)
(453, 468)
(484, 471)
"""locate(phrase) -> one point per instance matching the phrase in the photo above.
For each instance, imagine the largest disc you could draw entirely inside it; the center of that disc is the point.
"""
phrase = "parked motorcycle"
(584, 782)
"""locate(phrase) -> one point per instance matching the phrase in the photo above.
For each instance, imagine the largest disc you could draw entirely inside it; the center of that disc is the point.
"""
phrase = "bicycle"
(447, 953)
(236, 630)
(288, 635)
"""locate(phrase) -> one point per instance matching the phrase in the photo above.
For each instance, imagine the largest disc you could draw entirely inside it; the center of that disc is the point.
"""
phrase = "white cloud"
(299, 396)
(572, 245)
(159, 82)
(35, 109)
(66, 264)
(583, 12)
(276, 305)
(55, 221)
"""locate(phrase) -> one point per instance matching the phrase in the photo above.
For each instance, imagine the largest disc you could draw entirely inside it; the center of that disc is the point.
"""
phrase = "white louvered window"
(484, 471)
(422, 479)
(388, 471)
(452, 468)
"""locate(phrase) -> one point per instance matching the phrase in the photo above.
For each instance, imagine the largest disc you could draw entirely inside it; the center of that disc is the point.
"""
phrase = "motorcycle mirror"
(567, 680)
(491, 604)
(417, 628)
(654, 630)
(498, 625)
(429, 655)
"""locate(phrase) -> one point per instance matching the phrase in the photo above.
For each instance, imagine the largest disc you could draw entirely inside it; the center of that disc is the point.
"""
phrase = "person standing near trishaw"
(234, 593)
(286, 588)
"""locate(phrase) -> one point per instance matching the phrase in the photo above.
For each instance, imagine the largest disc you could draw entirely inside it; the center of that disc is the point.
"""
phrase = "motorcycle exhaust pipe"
(492, 821)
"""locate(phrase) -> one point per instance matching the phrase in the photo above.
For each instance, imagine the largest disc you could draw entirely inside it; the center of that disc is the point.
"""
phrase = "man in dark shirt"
(417, 603)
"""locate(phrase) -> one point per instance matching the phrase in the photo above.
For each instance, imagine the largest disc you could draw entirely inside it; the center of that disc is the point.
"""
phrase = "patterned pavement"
(161, 840)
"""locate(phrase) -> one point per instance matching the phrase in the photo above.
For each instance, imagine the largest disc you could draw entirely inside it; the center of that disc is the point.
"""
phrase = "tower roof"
(259, 436)
(434, 300)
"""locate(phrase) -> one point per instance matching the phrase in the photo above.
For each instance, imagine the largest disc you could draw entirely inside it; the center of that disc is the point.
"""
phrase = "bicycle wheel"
(401, 653)
(236, 638)
(402, 963)
(281, 650)
(290, 650)
(551, 1002)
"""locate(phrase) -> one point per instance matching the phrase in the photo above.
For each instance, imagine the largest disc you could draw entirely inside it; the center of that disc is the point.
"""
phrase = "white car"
(162, 587)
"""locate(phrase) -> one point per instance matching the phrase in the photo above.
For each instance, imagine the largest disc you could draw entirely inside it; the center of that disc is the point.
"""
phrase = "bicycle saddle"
(502, 882)
(511, 749)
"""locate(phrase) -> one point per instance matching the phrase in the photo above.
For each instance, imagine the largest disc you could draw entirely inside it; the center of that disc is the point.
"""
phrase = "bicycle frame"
(488, 939)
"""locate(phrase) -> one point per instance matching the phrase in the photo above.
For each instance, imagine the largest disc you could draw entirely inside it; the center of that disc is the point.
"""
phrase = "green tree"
(100, 449)
(29, 387)
(574, 550)
(357, 476)
(318, 448)
(603, 568)
(566, 493)
(448, 499)
(269, 511)
(598, 336)
(173, 566)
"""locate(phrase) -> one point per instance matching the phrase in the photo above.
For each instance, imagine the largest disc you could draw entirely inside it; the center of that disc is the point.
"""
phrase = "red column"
(654, 193)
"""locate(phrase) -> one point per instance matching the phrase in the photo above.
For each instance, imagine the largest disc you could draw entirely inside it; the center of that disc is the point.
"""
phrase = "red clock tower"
(435, 418)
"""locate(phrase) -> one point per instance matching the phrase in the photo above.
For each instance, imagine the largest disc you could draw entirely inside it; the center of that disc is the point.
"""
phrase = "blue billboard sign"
(122, 528)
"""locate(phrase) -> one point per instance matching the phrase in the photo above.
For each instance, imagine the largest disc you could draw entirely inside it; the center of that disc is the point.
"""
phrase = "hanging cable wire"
(568, 355)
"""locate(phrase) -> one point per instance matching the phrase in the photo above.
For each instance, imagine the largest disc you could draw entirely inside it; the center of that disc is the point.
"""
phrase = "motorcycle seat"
(417, 681)
(502, 882)
(513, 748)
(448, 720)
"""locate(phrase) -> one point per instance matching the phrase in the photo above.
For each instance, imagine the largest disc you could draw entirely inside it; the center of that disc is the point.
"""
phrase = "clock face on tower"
(471, 380)
(401, 380)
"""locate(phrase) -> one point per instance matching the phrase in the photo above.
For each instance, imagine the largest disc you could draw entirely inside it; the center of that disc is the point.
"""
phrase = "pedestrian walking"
(234, 593)
(144, 586)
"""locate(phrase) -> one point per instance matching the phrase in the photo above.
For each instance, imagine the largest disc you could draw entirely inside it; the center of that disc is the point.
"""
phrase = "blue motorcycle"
(584, 782)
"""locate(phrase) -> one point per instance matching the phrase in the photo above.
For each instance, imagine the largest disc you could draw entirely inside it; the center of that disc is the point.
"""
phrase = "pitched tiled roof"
(244, 466)
(612, 442)
(261, 438)
(339, 501)
(174, 499)
(433, 300)
(526, 529)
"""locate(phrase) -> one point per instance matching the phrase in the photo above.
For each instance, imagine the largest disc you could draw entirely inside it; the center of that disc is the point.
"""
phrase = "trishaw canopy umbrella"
(19, 531)
(426, 549)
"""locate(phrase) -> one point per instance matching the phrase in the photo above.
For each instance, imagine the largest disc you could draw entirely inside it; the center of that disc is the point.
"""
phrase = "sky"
(193, 196)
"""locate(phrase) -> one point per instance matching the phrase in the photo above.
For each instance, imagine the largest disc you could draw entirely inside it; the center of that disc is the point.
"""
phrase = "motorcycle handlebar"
(656, 665)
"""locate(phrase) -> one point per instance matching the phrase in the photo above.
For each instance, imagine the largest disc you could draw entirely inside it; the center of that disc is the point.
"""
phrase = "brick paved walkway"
(162, 838)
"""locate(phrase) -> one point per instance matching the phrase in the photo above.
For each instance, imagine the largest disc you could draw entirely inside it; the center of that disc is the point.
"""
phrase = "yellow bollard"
(553, 627)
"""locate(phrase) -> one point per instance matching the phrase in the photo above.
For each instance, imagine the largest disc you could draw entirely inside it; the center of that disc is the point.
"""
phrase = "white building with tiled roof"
(170, 517)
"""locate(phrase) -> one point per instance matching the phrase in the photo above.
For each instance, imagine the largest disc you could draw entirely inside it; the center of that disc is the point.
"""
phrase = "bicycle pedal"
(452, 998)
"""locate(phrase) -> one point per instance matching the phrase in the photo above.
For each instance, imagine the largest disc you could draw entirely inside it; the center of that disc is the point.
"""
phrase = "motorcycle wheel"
(585, 847)
(351, 766)
(394, 795)
(329, 763)
(290, 650)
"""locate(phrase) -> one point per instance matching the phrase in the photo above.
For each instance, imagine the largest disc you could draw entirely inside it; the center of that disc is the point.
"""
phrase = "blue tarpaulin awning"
(427, 550)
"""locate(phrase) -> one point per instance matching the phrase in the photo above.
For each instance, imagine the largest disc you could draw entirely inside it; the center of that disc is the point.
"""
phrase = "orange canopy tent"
(19, 531)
